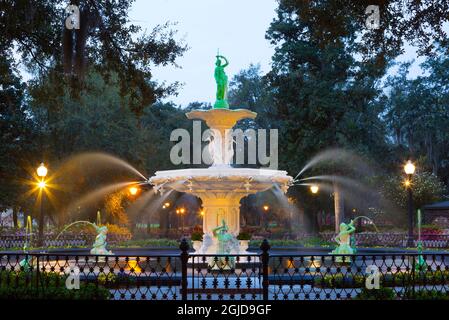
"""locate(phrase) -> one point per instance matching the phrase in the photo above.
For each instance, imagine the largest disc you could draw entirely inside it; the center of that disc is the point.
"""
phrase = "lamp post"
(315, 224)
(182, 211)
(409, 169)
(42, 173)
(265, 220)
(168, 227)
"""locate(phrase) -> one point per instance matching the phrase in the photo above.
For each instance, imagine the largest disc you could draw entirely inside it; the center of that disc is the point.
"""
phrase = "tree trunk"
(339, 206)
(15, 211)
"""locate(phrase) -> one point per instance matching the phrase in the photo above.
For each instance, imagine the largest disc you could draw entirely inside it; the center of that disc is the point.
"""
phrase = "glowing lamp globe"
(409, 168)
(42, 170)
(133, 191)
(314, 189)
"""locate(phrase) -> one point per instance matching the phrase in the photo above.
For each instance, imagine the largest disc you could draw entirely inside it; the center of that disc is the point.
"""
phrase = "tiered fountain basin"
(221, 188)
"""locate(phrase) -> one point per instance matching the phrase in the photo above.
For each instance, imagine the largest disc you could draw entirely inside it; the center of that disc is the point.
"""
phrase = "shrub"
(376, 294)
(155, 243)
(427, 295)
(197, 236)
(22, 285)
(244, 236)
(115, 230)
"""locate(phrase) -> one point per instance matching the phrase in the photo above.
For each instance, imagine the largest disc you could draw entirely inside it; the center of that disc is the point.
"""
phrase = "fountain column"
(221, 207)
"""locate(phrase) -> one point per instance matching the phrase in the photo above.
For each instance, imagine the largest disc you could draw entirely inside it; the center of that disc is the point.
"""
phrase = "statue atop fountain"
(222, 83)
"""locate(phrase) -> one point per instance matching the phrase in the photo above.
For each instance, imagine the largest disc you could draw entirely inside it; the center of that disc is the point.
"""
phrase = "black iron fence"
(72, 240)
(361, 239)
(393, 239)
(258, 276)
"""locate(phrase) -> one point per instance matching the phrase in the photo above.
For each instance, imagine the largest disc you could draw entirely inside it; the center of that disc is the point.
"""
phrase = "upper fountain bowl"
(221, 118)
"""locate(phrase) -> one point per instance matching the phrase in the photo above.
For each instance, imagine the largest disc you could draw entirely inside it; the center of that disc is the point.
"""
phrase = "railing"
(261, 276)
(394, 239)
(18, 241)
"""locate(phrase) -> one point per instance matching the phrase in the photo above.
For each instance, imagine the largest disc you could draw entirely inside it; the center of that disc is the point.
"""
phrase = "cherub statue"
(99, 246)
(344, 240)
(226, 242)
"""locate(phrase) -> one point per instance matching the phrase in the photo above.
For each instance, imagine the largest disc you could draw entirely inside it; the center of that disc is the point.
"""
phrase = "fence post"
(184, 246)
(413, 276)
(37, 273)
(265, 246)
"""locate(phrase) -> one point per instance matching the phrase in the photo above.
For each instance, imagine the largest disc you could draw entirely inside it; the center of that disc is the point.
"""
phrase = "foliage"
(376, 294)
(426, 187)
(197, 236)
(114, 207)
(306, 242)
(427, 295)
(118, 231)
(244, 236)
(151, 243)
(106, 40)
(22, 285)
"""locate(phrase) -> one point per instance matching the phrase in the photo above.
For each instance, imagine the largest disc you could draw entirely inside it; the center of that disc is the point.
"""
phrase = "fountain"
(221, 187)
(346, 239)
(99, 246)
(27, 262)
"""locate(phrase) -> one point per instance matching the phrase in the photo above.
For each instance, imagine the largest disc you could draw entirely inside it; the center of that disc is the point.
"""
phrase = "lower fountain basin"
(221, 179)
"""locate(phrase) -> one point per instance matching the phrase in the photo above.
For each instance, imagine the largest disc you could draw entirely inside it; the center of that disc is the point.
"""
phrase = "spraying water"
(71, 225)
(370, 220)
(336, 155)
(28, 233)
(100, 159)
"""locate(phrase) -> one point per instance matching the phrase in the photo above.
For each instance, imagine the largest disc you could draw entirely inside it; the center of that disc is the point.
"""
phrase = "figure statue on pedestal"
(226, 243)
(99, 246)
(344, 241)
(222, 83)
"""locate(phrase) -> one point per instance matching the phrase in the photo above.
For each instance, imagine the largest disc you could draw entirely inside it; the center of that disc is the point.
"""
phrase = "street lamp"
(42, 173)
(409, 169)
(314, 189)
(133, 190)
(182, 211)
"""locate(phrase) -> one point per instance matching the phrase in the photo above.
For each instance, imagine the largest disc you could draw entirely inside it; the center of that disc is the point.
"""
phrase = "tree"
(427, 188)
(17, 139)
(417, 113)
(324, 97)
(106, 40)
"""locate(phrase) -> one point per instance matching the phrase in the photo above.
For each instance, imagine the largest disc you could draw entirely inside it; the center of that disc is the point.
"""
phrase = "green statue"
(222, 83)
(421, 263)
(344, 241)
(226, 242)
(99, 246)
